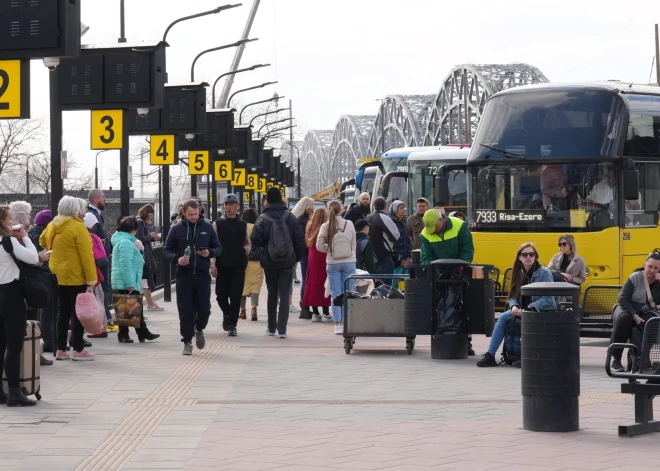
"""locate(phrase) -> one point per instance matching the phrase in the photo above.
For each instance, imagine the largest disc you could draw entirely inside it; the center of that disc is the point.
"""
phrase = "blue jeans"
(337, 274)
(303, 271)
(498, 332)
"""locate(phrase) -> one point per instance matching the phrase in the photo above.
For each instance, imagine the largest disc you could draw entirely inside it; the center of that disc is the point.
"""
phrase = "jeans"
(67, 299)
(228, 291)
(385, 266)
(303, 271)
(12, 331)
(498, 332)
(193, 301)
(278, 282)
(337, 274)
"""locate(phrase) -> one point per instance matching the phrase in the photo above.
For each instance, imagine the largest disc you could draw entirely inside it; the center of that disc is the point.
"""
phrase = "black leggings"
(326, 310)
(12, 331)
(623, 324)
(67, 299)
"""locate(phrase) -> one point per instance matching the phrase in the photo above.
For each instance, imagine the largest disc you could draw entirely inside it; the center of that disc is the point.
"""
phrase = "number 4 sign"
(163, 150)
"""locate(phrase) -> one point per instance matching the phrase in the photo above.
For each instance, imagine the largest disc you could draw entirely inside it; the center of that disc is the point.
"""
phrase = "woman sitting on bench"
(637, 304)
(526, 269)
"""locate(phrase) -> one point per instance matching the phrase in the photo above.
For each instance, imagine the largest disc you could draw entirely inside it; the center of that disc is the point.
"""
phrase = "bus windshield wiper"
(504, 152)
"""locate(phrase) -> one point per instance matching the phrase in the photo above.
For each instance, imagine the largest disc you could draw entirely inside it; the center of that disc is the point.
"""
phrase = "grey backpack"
(280, 246)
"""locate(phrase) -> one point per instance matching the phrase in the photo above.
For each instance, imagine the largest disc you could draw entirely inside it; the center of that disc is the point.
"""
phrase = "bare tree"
(20, 141)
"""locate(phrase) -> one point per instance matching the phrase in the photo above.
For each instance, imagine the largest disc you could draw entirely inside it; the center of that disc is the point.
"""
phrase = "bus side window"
(649, 200)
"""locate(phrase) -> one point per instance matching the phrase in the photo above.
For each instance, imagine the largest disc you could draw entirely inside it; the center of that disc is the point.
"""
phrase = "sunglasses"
(528, 254)
(562, 244)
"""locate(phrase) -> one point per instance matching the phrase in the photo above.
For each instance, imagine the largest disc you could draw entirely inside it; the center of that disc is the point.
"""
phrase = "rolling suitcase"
(30, 372)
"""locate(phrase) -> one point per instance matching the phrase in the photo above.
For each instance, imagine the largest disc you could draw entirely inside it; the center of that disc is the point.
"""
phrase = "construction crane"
(327, 193)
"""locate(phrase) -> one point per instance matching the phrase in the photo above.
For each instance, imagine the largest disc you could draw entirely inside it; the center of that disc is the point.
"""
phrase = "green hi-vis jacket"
(454, 242)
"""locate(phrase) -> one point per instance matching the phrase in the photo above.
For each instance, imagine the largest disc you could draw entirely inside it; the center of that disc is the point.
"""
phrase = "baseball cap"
(360, 224)
(423, 200)
(230, 198)
(430, 219)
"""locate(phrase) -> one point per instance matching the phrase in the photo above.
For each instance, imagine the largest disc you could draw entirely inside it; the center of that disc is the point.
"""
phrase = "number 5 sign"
(15, 89)
(198, 162)
(107, 129)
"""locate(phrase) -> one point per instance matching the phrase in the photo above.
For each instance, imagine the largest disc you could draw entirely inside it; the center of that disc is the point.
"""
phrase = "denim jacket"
(542, 303)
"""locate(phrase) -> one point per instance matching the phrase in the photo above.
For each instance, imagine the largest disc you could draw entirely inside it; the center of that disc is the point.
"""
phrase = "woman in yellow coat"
(254, 274)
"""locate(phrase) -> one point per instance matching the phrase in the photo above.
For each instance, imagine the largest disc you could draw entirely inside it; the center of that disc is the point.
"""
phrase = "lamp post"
(198, 15)
(248, 89)
(226, 46)
(96, 168)
(266, 114)
(292, 146)
(275, 98)
(269, 133)
(247, 69)
(273, 122)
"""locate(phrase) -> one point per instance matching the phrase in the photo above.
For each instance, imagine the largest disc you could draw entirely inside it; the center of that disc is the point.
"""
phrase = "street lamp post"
(275, 98)
(96, 168)
(226, 46)
(248, 89)
(247, 69)
(292, 146)
(269, 133)
(197, 15)
(273, 122)
(266, 114)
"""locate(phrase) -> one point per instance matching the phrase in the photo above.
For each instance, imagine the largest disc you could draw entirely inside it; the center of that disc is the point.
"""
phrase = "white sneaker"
(294, 309)
(327, 318)
(317, 318)
(339, 329)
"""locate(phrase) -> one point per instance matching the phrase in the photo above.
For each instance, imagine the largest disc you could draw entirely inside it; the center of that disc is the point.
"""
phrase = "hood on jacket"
(61, 222)
(118, 237)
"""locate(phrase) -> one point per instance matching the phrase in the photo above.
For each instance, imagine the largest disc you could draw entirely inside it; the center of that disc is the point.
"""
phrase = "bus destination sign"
(510, 216)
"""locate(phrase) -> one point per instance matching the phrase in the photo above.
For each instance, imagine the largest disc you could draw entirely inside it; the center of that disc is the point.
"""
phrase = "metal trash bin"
(550, 354)
(448, 344)
(418, 303)
(480, 300)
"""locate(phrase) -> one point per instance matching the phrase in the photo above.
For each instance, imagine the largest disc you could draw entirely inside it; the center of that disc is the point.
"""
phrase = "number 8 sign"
(252, 181)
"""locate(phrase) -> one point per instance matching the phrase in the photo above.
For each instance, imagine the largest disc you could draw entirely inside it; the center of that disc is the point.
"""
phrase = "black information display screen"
(510, 217)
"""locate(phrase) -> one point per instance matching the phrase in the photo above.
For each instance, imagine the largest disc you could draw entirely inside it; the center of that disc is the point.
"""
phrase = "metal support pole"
(466, 109)
(124, 189)
(167, 267)
(208, 195)
(229, 81)
(214, 193)
(291, 147)
(160, 201)
(122, 23)
(56, 183)
(657, 55)
(193, 185)
(27, 180)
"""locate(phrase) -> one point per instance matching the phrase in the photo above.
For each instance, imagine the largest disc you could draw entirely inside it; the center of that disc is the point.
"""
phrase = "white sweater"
(322, 240)
(8, 269)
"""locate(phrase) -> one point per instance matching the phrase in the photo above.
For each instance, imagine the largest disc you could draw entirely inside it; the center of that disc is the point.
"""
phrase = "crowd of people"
(241, 251)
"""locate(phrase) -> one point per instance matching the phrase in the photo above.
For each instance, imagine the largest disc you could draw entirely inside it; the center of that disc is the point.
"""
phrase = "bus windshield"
(421, 177)
(395, 164)
(550, 124)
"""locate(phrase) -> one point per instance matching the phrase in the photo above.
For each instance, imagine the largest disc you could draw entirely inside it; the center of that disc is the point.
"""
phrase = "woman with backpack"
(316, 270)
(337, 238)
(526, 269)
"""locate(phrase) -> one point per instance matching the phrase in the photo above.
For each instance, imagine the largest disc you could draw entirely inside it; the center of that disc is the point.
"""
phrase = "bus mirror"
(631, 184)
(441, 190)
(358, 180)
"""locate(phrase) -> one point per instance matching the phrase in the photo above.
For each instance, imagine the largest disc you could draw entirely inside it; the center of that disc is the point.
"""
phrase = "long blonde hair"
(314, 226)
(571, 243)
(302, 206)
(334, 209)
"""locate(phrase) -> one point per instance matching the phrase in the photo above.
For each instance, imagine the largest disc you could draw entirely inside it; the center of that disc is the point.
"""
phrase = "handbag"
(649, 298)
(36, 281)
(128, 309)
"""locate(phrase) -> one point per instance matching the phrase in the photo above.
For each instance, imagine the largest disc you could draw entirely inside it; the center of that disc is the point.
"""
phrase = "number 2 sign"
(14, 89)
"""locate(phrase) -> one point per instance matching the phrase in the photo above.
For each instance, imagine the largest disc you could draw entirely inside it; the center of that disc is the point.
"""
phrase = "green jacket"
(127, 262)
(454, 242)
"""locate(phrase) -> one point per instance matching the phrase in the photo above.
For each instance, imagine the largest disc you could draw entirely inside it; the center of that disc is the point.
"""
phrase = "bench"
(597, 307)
(648, 369)
(502, 291)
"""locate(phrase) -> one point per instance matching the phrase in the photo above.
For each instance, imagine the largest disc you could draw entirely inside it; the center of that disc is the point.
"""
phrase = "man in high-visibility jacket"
(446, 237)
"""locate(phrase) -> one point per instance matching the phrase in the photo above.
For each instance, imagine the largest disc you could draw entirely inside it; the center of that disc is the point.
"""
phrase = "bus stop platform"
(255, 402)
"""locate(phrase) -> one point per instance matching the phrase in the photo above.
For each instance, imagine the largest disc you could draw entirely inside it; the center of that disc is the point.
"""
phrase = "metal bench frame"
(644, 392)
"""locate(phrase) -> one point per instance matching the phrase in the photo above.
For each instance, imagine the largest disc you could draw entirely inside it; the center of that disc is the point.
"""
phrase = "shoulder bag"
(36, 281)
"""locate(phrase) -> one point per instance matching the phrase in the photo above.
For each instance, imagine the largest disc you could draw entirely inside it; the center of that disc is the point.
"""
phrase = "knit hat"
(90, 220)
(273, 195)
(43, 218)
(395, 205)
(430, 219)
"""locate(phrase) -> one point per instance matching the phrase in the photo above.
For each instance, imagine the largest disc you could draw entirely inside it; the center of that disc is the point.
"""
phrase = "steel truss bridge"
(449, 117)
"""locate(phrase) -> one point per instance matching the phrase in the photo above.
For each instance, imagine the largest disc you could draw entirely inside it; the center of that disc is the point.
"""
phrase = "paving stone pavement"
(255, 402)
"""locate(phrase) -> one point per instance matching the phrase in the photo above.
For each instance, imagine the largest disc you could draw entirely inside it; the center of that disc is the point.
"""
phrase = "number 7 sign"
(239, 177)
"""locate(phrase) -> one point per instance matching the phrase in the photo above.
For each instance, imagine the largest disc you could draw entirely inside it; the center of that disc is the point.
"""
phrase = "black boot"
(305, 313)
(147, 336)
(124, 339)
(16, 398)
(3, 397)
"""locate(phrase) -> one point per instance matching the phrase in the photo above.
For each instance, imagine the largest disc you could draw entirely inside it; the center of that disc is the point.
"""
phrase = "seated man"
(553, 187)
(603, 193)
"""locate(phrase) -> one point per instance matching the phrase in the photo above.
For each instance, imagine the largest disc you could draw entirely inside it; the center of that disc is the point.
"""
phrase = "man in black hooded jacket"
(279, 276)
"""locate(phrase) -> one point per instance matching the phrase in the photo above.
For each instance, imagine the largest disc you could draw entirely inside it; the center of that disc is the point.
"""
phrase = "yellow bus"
(582, 159)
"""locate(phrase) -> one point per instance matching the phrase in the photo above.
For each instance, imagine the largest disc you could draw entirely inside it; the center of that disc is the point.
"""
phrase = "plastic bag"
(100, 295)
(90, 312)
(449, 311)
(387, 292)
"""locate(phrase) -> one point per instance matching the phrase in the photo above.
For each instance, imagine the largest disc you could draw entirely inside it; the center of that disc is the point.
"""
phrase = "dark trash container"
(418, 308)
(448, 343)
(550, 354)
(480, 300)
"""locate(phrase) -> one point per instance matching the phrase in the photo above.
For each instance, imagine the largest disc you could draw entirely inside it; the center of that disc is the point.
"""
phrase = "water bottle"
(186, 253)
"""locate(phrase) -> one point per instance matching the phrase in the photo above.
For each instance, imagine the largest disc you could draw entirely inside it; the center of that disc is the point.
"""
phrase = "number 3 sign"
(107, 129)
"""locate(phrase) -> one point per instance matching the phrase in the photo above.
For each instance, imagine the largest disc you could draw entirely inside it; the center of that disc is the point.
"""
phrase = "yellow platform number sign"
(252, 182)
(282, 192)
(162, 150)
(107, 129)
(14, 89)
(262, 185)
(198, 162)
(246, 197)
(269, 185)
(239, 177)
(224, 171)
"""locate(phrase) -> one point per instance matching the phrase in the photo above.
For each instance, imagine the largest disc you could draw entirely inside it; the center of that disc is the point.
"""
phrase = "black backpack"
(361, 245)
(37, 281)
(280, 246)
(511, 348)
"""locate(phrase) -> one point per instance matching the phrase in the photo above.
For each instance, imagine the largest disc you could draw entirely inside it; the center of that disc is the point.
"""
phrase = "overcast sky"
(337, 57)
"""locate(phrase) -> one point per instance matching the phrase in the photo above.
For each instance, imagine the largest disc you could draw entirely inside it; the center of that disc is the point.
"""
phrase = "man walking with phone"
(229, 268)
(190, 246)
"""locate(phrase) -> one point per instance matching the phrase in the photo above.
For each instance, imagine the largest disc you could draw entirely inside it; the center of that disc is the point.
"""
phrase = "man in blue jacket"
(193, 280)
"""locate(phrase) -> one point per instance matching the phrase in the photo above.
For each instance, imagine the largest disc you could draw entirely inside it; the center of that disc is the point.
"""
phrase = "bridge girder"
(315, 157)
